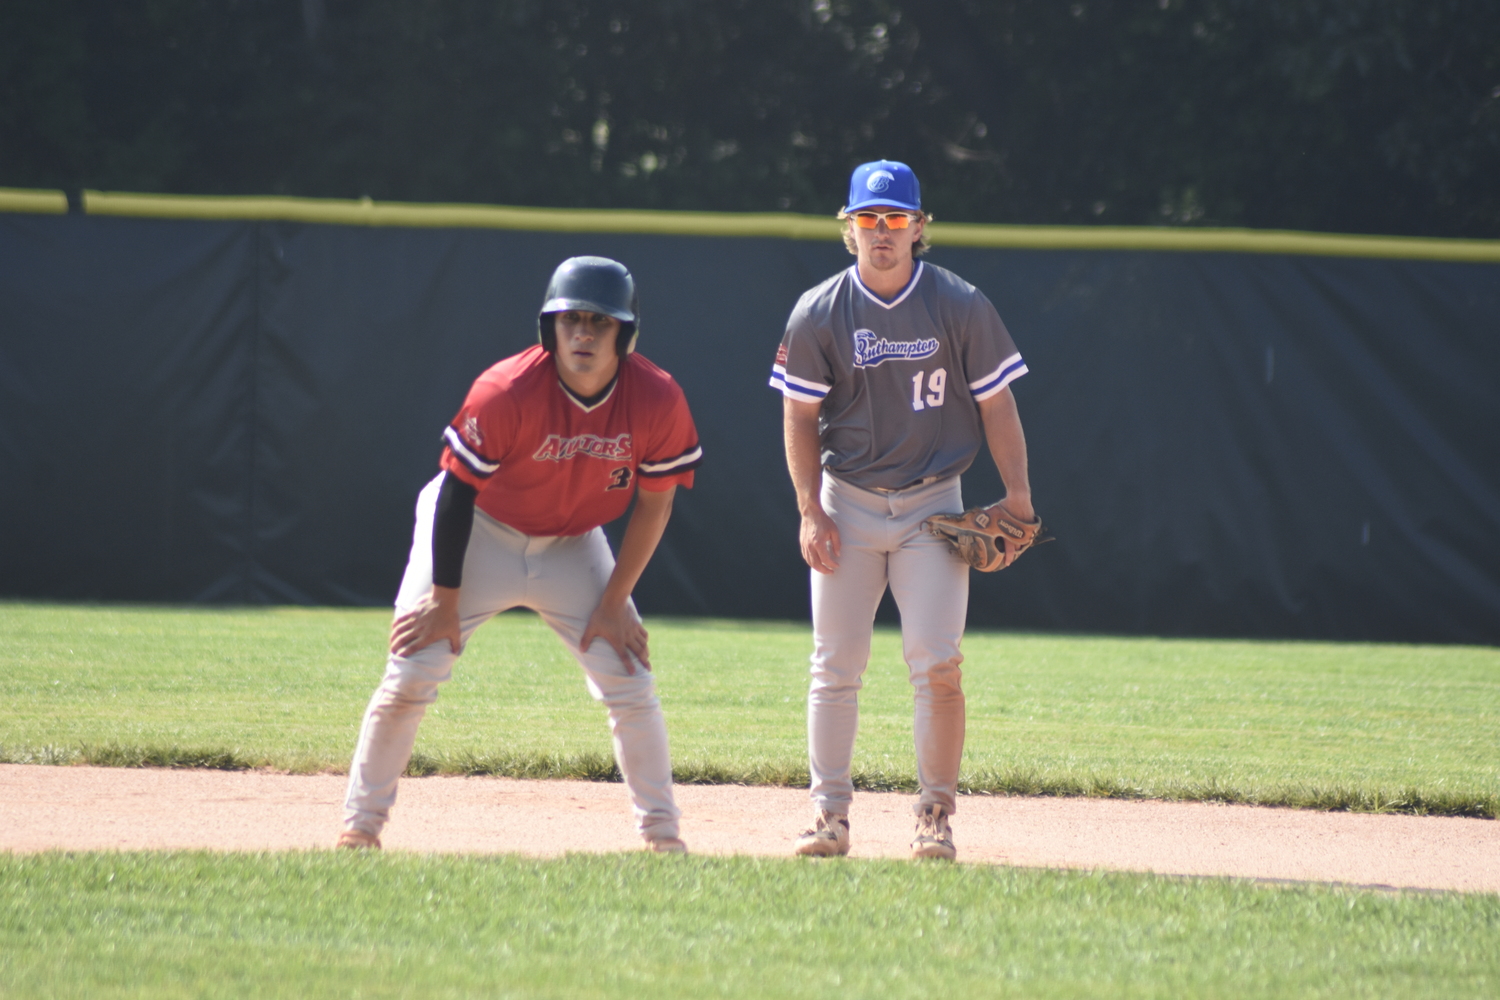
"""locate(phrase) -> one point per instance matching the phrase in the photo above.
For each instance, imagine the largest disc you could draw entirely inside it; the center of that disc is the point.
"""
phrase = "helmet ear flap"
(546, 332)
(630, 329)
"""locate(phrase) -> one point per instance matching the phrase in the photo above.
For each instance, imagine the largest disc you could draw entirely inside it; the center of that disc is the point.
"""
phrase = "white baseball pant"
(882, 542)
(561, 578)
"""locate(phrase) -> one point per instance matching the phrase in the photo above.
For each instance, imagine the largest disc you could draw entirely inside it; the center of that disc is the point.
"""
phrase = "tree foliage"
(1340, 115)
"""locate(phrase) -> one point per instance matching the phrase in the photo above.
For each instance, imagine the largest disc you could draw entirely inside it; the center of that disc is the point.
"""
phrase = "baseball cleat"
(828, 838)
(667, 845)
(934, 837)
(358, 840)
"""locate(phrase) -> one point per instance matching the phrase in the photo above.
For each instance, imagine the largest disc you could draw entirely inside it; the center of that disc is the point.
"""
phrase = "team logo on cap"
(880, 180)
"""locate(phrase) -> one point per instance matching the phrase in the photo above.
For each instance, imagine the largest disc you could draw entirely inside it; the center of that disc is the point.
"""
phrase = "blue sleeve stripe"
(797, 388)
(1010, 370)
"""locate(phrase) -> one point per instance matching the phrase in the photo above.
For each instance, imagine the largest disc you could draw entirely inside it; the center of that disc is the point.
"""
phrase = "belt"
(928, 480)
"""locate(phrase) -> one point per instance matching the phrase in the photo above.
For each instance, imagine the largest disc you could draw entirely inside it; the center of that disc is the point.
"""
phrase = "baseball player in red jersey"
(549, 445)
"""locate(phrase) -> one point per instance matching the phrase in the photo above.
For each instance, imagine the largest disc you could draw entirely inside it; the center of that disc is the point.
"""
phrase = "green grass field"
(1336, 726)
(1385, 727)
(323, 924)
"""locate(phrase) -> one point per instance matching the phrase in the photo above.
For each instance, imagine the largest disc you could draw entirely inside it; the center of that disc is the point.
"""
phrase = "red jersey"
(547, 462)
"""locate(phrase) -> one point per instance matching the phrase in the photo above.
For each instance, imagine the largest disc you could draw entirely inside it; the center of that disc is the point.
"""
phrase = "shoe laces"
(932, 823)
(827, 823)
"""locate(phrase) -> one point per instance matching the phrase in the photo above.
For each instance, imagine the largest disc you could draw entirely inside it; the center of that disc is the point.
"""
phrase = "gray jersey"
(899, 381)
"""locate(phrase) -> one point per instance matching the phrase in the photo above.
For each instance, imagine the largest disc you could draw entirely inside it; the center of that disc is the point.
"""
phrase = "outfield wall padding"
(1225, 443)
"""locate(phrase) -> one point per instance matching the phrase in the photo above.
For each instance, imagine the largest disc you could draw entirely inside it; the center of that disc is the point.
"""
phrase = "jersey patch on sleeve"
(471, 431)
(1010, 369)
(475, 463)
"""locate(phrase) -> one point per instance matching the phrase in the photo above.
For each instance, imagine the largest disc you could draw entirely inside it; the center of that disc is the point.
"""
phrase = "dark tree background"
(1378, 116)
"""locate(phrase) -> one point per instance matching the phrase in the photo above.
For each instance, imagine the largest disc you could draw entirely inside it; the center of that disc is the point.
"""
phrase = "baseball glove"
(987, 538)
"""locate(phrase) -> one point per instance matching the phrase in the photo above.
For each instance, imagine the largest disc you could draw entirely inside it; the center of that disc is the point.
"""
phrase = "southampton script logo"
(559, 449)
(870, 350)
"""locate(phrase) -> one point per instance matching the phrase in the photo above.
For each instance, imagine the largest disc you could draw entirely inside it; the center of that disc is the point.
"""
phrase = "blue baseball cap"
(884, 182)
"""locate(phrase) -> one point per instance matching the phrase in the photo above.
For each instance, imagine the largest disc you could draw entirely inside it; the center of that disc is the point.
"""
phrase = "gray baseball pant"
(882, 543)
(561, 578)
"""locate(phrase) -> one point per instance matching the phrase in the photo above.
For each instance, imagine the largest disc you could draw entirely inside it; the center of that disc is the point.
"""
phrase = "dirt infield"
(89, 808)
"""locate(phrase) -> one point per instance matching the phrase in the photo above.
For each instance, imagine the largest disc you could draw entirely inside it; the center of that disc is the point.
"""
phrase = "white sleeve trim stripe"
(1010, 362)
(803, 383)
(681, 463)
(1012, 369)
(797, 388)
(476, 464)
(790, 393)
(980, 384)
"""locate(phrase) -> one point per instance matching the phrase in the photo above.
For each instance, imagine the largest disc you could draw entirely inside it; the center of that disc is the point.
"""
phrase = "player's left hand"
(618, 626)
(433, 620)
(989, 538)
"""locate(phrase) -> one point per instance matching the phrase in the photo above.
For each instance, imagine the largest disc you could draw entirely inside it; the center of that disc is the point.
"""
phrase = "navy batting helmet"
(591, 284)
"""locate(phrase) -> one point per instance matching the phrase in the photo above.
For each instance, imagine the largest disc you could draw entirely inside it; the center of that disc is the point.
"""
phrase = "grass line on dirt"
(1370, 727)
(599, 767)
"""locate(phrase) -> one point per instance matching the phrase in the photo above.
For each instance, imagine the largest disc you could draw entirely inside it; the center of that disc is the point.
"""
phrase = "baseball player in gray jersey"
(893, 373)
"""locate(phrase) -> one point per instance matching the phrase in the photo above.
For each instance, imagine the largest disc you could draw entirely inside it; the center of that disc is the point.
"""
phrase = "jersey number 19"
(936, 383)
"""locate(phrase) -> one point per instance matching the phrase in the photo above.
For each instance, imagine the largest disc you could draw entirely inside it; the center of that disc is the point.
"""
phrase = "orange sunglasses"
(893, 220)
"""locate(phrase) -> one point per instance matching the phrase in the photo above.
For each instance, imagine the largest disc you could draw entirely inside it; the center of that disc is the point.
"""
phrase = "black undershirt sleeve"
(451, 526)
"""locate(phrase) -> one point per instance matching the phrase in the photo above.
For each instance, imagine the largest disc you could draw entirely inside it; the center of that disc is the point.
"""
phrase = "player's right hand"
(820, 541)
(433, 620)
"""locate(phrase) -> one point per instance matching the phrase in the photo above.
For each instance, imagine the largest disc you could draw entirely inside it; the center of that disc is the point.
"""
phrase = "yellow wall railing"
(773, 225)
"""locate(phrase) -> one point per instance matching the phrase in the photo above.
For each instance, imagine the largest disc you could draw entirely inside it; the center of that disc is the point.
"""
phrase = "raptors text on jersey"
(547, 462)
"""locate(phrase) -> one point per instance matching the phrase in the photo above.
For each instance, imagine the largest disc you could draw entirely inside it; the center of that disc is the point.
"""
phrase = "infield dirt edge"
(81, 808)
